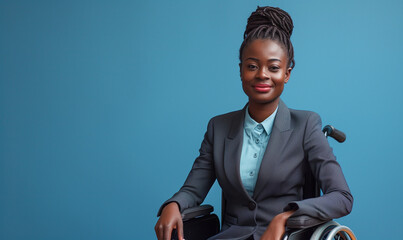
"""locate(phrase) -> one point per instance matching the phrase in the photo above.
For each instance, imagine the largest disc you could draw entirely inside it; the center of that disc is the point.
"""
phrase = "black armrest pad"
(298, 234)
(304, 221)
(193, 212)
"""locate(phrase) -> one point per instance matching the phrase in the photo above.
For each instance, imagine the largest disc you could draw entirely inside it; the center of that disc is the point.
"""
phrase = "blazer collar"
(236, 129)
(282, 121)
(277, 145)
(283, 117)
(232, 154)
(233, 148)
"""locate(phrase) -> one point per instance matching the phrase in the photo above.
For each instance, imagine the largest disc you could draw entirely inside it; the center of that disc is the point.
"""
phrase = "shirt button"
(251, 173)
(259, 127)
(251, 205)
(257, 141)
(255, 155)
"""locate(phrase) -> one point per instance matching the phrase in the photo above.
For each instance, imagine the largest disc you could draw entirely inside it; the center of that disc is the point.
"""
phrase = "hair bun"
(270, 16)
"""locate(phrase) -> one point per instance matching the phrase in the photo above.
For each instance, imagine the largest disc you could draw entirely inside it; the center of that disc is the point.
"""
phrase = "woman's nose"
(263, 74)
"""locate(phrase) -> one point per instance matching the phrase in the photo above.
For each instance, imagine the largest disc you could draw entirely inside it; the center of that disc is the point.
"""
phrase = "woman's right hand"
(170, 219)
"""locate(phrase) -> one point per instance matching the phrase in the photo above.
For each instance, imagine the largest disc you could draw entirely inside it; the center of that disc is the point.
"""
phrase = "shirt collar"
(251, 124)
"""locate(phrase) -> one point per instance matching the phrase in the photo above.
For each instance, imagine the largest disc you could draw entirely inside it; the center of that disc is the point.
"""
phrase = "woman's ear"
(287, 75)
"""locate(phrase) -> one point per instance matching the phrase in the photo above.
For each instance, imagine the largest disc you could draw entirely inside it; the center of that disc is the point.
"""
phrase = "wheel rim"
(339, 233)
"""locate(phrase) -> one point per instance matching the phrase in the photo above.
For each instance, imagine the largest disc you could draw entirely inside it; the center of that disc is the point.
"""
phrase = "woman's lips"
(262, 87)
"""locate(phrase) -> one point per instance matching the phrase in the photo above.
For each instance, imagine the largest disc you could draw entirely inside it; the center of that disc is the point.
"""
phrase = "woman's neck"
(260, 111)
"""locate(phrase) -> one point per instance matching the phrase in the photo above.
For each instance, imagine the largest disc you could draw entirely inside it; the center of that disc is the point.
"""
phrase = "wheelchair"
(199, 223)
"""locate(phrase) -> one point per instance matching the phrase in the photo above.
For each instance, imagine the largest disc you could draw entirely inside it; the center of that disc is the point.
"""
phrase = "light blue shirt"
(255, 139)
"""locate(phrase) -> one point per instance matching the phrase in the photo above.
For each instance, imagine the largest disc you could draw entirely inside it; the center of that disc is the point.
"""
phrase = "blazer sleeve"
(336, 200)
(201, 177)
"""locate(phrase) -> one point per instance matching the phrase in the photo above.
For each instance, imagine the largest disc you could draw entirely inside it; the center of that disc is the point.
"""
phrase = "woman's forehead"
(264, 48)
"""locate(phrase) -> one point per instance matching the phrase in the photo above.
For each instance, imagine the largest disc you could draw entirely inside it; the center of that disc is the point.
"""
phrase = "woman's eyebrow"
(257, 60)
(252, 58)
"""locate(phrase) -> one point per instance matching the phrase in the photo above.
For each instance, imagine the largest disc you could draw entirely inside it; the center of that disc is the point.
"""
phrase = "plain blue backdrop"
(103, 106)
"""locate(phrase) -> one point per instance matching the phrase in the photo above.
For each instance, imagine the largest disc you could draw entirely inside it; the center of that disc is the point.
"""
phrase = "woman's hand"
(276, 228)
(170, 219)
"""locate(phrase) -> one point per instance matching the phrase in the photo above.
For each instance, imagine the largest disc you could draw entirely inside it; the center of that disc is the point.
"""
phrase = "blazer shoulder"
(227, 117)
(225, 124)
(303, 114)
(305, 119)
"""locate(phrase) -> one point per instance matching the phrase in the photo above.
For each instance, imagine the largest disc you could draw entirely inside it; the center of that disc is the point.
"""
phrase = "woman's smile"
(263, 88)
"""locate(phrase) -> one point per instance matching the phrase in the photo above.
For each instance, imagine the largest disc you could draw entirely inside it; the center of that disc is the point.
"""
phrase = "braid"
(270, 23)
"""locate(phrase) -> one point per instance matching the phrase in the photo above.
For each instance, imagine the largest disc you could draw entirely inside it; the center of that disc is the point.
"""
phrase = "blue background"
(103, 106)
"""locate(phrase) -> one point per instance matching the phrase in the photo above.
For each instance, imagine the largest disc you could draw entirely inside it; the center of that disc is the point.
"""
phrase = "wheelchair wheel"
(337, 236)
(332, 231)
(340, 232)
(323, 229)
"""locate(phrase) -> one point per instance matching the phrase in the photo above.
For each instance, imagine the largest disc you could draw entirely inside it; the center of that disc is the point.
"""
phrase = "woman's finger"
(167, 232)
(179, 229)
(159, 231)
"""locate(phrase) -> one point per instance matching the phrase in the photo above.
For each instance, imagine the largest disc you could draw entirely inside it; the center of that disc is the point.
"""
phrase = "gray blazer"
(296, 140)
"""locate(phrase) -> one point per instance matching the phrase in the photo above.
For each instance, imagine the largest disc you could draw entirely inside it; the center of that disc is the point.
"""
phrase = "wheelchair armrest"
(303, 221)
(198, 211)
(298, 234)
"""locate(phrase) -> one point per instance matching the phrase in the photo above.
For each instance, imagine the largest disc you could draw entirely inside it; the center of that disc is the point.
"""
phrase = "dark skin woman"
(266, 62)
(264, 71)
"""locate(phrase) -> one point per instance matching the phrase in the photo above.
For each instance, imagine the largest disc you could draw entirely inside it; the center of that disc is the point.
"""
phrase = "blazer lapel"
(233, 150)
(280, 134)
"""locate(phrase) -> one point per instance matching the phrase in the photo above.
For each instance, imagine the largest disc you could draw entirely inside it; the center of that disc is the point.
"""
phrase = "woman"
(258, 154)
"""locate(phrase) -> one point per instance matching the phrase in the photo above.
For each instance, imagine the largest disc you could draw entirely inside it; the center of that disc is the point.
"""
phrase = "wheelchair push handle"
(331, 131)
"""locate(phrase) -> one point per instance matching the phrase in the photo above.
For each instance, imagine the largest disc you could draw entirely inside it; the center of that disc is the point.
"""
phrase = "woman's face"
(264, 71)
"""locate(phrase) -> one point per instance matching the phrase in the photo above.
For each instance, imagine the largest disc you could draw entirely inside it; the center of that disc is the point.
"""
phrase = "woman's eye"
(252, 67)
(274, 68)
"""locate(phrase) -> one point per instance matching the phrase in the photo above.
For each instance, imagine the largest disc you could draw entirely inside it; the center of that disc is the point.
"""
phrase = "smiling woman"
(259, 154)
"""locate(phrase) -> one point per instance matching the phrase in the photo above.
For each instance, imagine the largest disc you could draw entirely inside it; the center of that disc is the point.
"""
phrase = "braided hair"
(270, 23)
